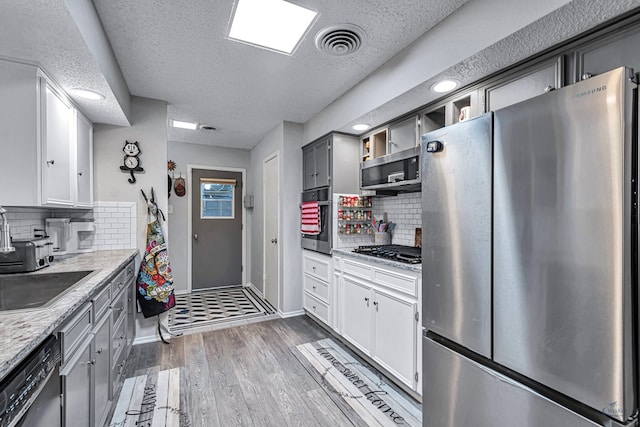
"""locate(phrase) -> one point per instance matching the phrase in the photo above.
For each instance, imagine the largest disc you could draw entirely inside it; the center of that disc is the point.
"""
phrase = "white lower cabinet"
(357, 313)
(380, 317)
(394, 329)
(316, 276)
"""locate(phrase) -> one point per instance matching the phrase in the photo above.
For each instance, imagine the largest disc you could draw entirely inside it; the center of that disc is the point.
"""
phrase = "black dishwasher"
(30, 394)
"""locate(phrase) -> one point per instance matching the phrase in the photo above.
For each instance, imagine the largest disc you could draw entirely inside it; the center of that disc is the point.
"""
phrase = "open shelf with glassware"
(355, 215)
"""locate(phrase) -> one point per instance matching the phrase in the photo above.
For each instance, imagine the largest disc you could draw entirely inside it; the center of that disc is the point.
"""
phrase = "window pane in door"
(217, 199)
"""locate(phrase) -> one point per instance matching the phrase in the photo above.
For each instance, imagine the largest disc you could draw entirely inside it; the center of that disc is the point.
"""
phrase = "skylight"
(184, 125)
(272, 24)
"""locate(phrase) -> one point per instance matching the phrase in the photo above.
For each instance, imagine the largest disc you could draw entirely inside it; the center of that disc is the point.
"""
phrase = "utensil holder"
(382, 238)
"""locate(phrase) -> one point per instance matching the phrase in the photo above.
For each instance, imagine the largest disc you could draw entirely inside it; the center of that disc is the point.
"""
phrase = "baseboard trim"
(146, 340)
(291, 313)
(254, 289)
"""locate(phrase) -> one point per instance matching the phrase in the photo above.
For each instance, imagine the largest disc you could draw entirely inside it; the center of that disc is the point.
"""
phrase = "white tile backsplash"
(115, 223)
(405, 210)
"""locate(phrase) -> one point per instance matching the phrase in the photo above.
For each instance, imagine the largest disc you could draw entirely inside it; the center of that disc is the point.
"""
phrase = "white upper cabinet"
(47, 143)
(57, 120)
(84, 161)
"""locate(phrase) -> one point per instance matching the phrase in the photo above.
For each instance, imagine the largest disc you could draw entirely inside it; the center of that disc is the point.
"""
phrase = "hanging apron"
(155, 282)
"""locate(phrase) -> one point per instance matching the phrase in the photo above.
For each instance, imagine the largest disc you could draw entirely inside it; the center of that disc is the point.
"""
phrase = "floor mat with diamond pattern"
(221, 305)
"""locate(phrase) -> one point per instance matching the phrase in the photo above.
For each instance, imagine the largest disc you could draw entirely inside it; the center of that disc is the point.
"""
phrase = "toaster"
(30, 255)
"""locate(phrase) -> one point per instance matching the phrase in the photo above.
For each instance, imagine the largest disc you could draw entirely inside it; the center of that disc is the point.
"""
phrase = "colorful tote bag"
(155, 282)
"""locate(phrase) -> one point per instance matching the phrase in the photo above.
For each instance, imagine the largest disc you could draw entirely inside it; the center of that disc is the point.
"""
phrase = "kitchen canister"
(382, 238)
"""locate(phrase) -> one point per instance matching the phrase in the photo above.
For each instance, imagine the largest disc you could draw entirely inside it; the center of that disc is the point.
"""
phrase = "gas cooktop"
(406, 254)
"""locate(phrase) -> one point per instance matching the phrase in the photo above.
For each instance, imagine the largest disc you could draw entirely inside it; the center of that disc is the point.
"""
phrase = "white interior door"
(271, 191)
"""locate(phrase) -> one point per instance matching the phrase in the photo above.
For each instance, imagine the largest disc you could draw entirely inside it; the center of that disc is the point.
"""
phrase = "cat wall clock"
(131, 161)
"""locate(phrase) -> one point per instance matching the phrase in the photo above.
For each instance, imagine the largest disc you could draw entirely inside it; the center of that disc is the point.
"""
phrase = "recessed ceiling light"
(273, 24)
(87, 94)
(361, 127)
(444, 86)
(184, 125)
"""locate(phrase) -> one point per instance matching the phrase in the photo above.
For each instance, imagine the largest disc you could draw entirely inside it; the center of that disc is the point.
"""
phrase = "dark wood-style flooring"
(244, 376)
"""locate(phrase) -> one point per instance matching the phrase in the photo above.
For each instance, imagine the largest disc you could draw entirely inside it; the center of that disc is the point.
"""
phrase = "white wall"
(286, 139)
(148, 127)
(202, 155)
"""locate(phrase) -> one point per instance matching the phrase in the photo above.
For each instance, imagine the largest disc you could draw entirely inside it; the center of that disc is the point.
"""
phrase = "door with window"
(216, 223)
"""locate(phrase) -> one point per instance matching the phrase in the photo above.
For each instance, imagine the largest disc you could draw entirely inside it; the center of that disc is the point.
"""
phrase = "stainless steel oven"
(320, 242)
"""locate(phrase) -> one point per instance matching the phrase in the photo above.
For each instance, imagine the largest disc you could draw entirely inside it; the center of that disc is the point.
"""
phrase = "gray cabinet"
(615, 51)
(332, 161)
(95, 344)
(316, 164)
(403, 135)
(532, 82)
(102, 371)
(76, 387)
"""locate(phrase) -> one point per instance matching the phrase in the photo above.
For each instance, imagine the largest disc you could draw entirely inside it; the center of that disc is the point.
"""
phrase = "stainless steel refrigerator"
(530, 279)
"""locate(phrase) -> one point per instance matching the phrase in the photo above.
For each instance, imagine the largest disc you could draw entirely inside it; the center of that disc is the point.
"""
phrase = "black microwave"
(398, 171)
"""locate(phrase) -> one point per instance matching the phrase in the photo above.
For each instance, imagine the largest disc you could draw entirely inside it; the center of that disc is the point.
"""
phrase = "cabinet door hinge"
(417, 316)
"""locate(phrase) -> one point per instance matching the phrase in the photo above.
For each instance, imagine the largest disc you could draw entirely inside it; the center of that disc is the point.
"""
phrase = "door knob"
(195, 237)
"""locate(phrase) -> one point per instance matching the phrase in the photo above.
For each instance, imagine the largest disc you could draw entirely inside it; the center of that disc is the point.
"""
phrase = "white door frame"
(190, 169)
(274, 155)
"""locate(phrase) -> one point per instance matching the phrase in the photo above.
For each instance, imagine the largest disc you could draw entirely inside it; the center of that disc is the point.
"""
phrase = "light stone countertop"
(376, 260)
(21, 331)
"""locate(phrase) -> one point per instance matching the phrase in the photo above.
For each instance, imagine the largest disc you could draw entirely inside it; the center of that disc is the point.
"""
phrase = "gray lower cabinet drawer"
(101, 302)
(118, 339)
(117, 370)
(119, 306)
(75, 331)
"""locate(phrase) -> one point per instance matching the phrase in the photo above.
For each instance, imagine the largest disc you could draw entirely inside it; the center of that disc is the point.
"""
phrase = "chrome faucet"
(5, 236)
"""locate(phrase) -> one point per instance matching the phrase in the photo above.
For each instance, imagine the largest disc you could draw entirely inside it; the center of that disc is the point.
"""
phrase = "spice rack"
(355, 214)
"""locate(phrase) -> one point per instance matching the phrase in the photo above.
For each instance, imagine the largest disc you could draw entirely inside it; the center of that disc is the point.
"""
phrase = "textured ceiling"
(42, 32)
(175, 50)
(567, 22)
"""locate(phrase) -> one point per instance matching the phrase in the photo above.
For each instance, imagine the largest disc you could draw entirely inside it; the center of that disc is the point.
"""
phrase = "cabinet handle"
(314, 288)
(376, 304)
(50, 162)
(99, 351)
(91, 362)
(314, 268)
(79, 173)
(367, 300)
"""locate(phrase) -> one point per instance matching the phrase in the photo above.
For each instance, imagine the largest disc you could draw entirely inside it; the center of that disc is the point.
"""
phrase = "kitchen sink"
(37, 291)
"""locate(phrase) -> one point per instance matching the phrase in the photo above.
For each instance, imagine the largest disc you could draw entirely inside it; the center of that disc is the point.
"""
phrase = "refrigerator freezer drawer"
(458, 392)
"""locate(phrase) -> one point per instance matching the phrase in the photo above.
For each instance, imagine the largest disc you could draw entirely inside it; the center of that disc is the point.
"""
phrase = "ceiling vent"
(340, 40)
